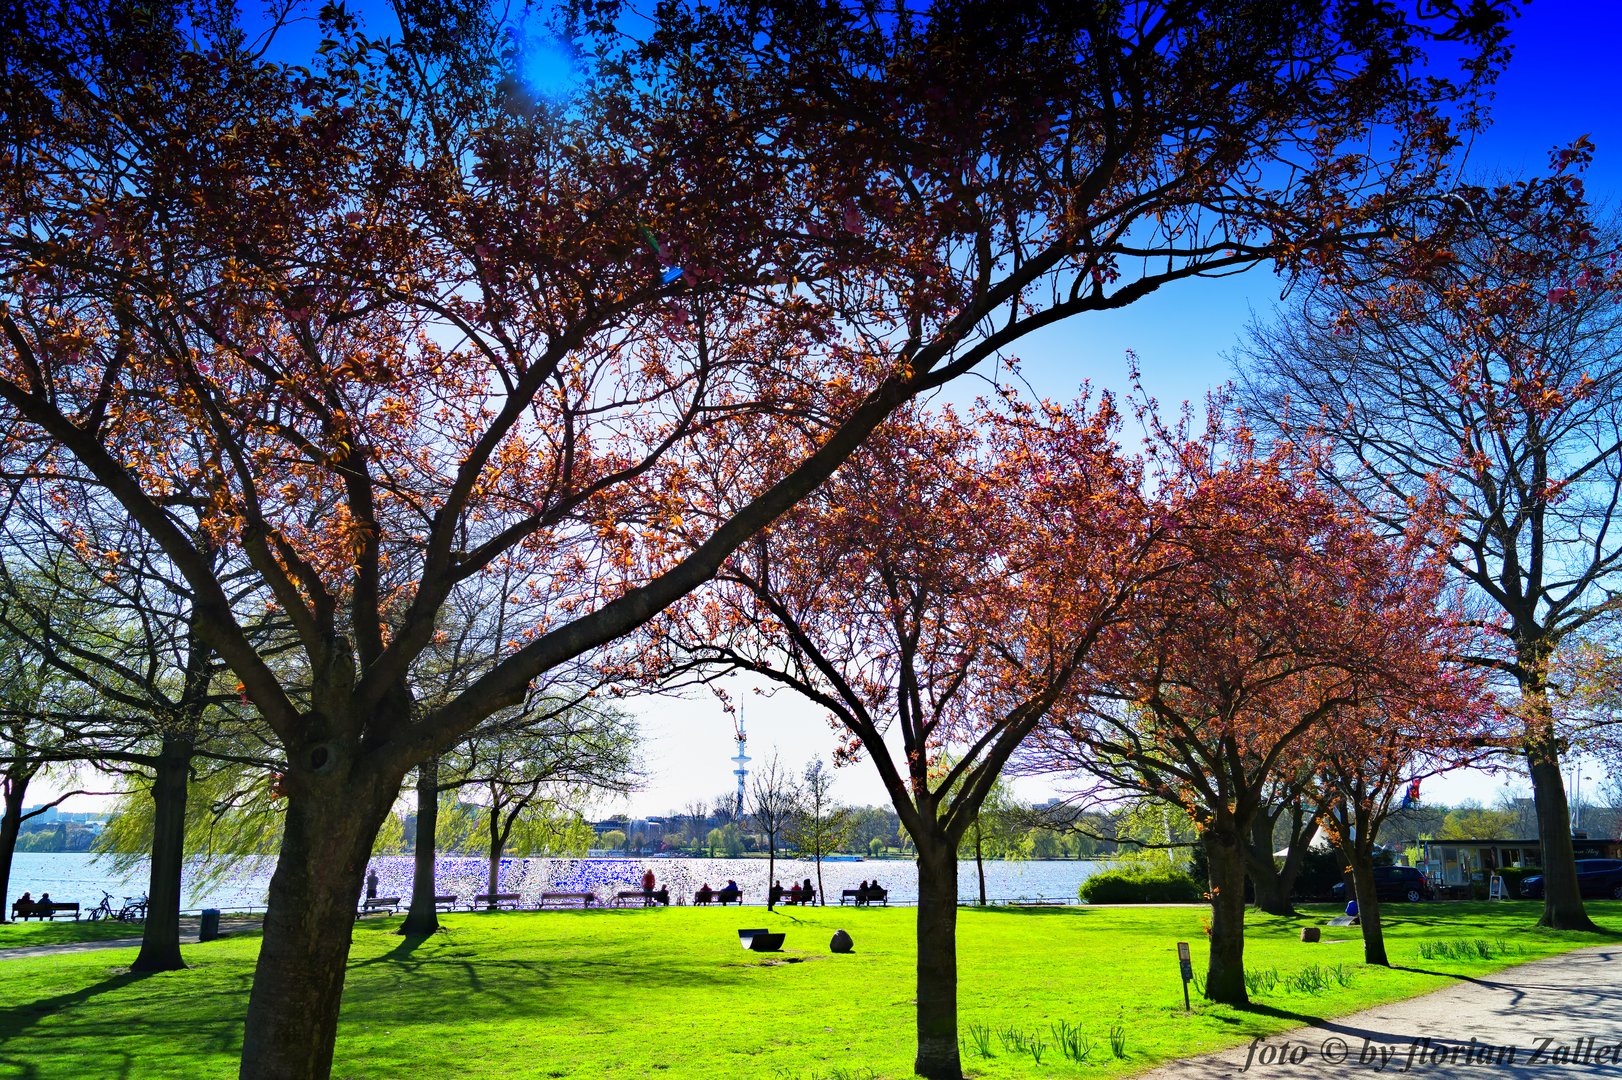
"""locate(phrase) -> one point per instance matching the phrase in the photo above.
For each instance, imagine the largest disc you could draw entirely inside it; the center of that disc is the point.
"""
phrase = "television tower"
(742, 761)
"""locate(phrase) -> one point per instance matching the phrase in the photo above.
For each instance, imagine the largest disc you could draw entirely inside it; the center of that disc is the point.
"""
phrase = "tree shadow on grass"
(16, 1019)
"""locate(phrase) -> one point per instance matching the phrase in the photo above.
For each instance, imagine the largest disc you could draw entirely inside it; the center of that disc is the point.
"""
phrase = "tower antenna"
(741, 760)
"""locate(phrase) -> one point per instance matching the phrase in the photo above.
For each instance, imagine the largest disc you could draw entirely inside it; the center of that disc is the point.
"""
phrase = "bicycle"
(133, 910)
(103, 910)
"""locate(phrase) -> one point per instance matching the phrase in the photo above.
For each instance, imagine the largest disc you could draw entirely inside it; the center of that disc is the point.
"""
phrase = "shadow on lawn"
(16, 1019)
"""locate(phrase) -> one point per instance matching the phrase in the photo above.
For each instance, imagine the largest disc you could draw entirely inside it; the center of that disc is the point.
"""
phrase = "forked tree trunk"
(1265, 878)
(1368, 905)
(292, 1019)
(1225, 971)
(160, 937)
(937, 961)
(422, 918)
(11, 823)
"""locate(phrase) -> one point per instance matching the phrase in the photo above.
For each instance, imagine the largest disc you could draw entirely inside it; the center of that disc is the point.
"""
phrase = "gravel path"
(188, 936)
(1560, 1017)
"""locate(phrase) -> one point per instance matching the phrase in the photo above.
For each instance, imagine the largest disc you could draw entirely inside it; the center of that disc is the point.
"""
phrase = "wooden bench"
(716, 898)
(871, 896)
(390, 904)
(569, 899)
(638, 898)
(20, 910)
(447, 903)
(803, 898)
(509, 900)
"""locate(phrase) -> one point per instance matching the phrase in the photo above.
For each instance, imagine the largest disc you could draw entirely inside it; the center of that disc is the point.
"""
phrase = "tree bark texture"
(1225, 971)
(160, 938)
(422, 918)
(11, 823)
(980, 861)
(1562, 899)
(1368, 906)
(937, 961)
(292, 1021)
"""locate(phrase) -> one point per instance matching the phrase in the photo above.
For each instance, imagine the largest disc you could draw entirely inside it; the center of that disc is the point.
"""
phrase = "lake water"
(69, 877)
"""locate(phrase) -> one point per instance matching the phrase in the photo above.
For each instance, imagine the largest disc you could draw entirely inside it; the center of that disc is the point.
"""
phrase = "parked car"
(1395, 883)
(1598, 878)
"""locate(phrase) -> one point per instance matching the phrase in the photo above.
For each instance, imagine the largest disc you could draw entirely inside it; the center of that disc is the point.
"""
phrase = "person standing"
(371, 883)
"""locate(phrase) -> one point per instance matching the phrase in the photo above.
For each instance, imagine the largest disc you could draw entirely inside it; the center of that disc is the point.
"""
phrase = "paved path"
(188, 936)
(1555, 1018)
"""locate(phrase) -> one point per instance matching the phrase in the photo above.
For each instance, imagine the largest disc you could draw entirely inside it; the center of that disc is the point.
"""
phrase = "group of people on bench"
(726, 894)
(868, 891)
(25, 905)
(798, 893)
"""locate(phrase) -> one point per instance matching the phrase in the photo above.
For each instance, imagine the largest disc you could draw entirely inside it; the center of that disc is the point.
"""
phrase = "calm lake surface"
(69, 877)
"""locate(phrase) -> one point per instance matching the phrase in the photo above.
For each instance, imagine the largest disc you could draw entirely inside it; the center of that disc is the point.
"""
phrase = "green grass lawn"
(14, 935)
(668, 993)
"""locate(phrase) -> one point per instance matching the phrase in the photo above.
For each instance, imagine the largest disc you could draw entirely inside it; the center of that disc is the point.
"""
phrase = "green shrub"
(1513, 876)
(1140, 886)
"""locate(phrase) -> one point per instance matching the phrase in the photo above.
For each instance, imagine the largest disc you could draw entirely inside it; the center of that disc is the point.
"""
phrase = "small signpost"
(1187, 967)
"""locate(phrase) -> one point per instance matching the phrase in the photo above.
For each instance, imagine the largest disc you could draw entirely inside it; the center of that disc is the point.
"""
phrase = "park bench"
(636, 897)
(716, 898)
(509, 900)
(447, 903)
(871, 896)
(390, 904)
(20, 910)
(568, 899)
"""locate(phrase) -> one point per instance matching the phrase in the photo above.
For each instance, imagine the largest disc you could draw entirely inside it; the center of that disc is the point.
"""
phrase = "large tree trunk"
(1271, 895)
(292, 1022)
(1275, 885)
(423, 917)
(160, 937)
(1225, 972)
(1562, 899)
(1368, 905)
(11, 823)
(493, 875)
(937, 961)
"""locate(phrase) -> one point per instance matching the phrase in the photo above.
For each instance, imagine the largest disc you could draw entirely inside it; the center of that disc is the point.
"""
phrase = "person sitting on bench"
(794, 893)
(776, 893)
(662, 896)
(705, 893)
(25, 905)
(807, 893)
(730, 893)
(874, 892)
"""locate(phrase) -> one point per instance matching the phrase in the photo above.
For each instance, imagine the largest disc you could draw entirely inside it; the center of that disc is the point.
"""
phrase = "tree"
(1284, 808)
(1489, 376)
(773, 805)
(391, 320)
(822, 826)
(1278, 608)
(1371, 754)
(529, 765)
(994, 832)
(937, 598)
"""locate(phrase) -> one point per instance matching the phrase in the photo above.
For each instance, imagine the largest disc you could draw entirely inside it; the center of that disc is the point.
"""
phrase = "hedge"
(1137, 886)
